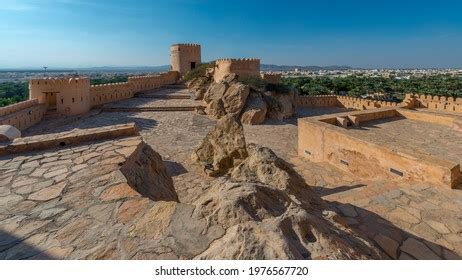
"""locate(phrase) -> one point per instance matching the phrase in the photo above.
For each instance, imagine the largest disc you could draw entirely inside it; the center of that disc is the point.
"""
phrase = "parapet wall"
(142, 83)
(343, 101)
(26, 116)
(245, 66)
(438, 103)
(104, 93)
(13, 108)
(271, 78)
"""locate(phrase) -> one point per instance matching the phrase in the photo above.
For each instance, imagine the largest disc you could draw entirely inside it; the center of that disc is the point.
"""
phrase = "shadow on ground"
(13, 248)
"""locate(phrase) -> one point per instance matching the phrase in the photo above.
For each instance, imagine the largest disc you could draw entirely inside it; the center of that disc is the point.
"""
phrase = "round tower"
(185, 57)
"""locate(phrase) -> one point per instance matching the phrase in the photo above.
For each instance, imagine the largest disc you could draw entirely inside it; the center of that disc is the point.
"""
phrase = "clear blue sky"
(77, 33)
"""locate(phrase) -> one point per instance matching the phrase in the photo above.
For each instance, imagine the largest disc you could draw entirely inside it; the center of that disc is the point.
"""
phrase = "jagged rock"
(235, 97)
(255, 109)
(223, 147)
(215, 91)
(273, 107)
(229, 78)
(146, 173)
(9, 133)
(215, 109)
(262, 165)
(198, 87)
(263, 222)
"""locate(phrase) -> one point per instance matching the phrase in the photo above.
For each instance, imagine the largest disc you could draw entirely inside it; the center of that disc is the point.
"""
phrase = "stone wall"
(343, 101)
(100, 94)
(438, 103)
(143, 83)
(22, 115)
(182, 55)
(271, 78)
(69, 96)
(245, 66)
(13, 108)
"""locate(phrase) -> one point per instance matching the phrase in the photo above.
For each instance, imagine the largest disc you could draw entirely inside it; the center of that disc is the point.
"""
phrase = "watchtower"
(185, 57)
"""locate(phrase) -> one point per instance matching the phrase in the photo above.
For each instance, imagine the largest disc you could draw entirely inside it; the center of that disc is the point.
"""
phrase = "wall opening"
(193, 65)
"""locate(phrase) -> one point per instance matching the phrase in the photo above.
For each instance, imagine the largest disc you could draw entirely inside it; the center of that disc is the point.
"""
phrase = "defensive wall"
(22, 115)
(271, 78)
(184, 57)
(437, 103)
(344, 102)
(325, 139)
(74, 96)
(244, 67)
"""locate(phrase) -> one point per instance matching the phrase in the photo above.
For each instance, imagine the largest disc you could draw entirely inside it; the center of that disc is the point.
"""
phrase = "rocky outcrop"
(223, 147)
(235, 98)
(231, 97)
(263, 222)
(198, 87)
(255, 109)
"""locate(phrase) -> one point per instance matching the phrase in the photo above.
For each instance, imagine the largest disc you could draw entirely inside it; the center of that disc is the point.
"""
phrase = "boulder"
(146, 173)
(255, 109)
(273, 111)
(223, 148)
(235, 98)
(9, 133)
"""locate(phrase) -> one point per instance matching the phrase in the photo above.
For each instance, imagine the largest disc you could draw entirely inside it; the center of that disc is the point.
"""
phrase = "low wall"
(24, 118)
(76, 136)
(13, 108)
(317, 101)
(271, 78)
(344, 102)
(319, 140)
(244, 66)
(438, 103)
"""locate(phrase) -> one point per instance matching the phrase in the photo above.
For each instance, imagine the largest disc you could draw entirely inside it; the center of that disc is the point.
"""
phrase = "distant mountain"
(272, 67)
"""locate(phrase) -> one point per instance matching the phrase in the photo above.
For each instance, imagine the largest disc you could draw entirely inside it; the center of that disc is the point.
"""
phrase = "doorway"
(193, 65)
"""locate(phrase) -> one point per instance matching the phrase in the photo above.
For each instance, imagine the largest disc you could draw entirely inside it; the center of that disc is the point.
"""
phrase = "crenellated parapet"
(434, 102)
(239, 66)
(363, 104)
(271, 78)
(69, 96)
(23, 114)
(317, 101)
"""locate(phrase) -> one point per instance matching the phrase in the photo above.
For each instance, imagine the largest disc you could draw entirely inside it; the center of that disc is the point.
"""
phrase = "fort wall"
(143, 83)
(271, 78)
(23, 116)
(438, 103)
(104, 93)
(317, 101)
(244, 67)
(69, 96)
(184, 57)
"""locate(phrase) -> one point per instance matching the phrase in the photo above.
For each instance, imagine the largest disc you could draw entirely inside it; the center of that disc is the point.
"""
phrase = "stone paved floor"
(407, 221)
(412, 136)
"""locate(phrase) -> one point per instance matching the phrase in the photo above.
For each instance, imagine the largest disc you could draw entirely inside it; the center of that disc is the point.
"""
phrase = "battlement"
(434, 102)
(186, 45)
(59, 81)
(271, 78)
(237, 60)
